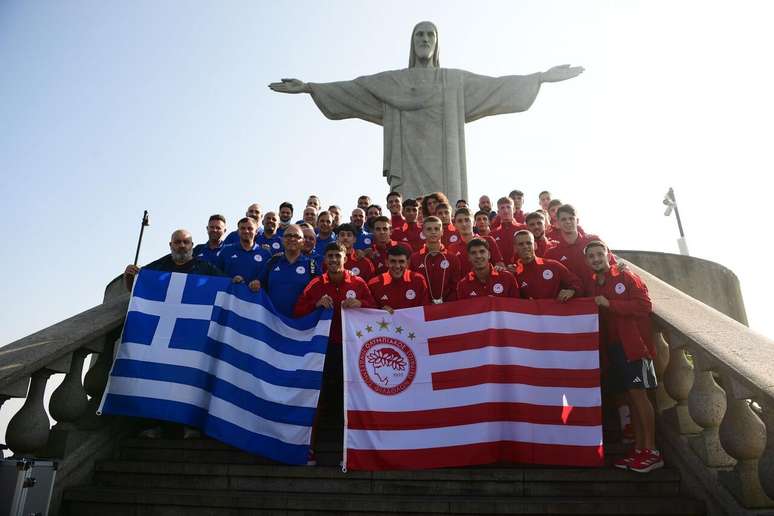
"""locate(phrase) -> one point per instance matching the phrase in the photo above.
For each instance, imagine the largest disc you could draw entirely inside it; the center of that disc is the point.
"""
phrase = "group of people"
(424, 251)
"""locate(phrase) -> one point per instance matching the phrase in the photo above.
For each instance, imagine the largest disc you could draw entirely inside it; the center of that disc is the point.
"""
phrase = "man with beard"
(485, 204)
(285, 217)
(536, 226)
(254, 212)
(325, 233)
(625, 335)
(269, 239)
(364, 238)
(179, 259)
(363, 202)
(571, 242)
(216, 228)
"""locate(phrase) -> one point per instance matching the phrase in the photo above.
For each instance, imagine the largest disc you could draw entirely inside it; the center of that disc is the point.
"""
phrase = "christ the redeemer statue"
(423, 110)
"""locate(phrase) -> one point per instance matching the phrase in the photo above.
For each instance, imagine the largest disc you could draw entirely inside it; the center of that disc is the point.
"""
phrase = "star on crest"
(384, 325)
(411, 335)
(398, 329)
(359, 333)
(369, 328)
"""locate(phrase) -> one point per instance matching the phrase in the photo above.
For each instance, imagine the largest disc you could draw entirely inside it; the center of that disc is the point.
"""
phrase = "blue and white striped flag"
(204, 352)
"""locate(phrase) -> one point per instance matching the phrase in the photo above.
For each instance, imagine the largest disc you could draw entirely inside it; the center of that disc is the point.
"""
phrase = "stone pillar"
(68, 401)
(766, 463)
(707, 406)
(96, 381)
(678, 380)
(663, 400)
(28, 429)
(743, 436)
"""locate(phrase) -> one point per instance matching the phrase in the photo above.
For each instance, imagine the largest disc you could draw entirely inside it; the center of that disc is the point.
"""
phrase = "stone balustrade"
(715, 404)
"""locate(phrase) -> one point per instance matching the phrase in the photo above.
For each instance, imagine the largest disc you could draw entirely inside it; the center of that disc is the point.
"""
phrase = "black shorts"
(623, 375)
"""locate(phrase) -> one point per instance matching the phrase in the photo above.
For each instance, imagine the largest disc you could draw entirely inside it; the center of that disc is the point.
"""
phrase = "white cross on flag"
(481, 381)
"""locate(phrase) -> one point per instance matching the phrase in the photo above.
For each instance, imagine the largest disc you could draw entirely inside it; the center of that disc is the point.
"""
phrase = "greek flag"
(202, 351)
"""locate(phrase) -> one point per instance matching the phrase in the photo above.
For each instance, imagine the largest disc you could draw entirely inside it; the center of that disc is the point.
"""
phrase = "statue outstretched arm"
(290, 86)
(561, 73)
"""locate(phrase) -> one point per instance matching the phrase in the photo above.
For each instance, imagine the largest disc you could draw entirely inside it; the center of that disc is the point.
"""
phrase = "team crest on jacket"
(355, 271)
(387, 365)
(548, 274)
(497, 288)
(258, 258)
(351, 294)
(620, 288)
(410, 294)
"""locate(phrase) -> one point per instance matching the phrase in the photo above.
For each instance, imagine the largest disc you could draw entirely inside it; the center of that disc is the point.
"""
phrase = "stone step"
(89, 501)
(559, 482)
(211, 451)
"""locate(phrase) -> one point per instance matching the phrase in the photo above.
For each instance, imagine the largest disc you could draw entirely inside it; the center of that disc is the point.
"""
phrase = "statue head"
(424, 44)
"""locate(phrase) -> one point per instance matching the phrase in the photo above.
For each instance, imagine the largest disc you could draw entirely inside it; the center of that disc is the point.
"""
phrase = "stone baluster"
(707, 406)
(663, 400)
(743, 436)
(766, 462)
(68, 401)
(96, 381)
(28, 429)
(678, 380)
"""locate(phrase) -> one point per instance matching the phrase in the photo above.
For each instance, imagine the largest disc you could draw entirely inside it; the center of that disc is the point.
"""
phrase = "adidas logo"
(563, 258)
(473, 294)
(233, 256)
(384, 297)
(276, 269)
(421, 266)
(637, 380)
(523, 283)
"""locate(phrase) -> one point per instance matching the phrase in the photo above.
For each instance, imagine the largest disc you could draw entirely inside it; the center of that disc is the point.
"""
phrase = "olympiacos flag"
(473, 382)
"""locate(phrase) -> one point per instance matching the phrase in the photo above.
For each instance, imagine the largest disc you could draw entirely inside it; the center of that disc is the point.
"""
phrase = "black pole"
(679, 223)
(142, 230)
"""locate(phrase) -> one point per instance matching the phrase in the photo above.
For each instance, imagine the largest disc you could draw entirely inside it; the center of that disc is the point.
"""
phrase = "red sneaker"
(647, 461)
(623, 463)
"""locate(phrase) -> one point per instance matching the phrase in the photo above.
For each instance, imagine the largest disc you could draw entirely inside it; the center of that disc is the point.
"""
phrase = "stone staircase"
(204, 477)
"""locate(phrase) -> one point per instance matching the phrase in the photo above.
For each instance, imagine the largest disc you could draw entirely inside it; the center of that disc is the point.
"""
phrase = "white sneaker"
(191, 433)
(151, 433)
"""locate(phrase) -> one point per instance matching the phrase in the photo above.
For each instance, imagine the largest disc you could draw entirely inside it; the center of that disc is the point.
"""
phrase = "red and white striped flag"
(473, 382)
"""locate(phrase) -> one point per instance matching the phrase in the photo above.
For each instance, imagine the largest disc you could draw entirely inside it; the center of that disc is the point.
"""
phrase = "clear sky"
(108, 108)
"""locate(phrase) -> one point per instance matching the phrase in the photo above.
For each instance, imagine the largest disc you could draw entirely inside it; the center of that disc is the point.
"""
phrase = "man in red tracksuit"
(438, 265)
(569, 251)
(410, 232)
(625, 339)
(503, 235)
(398, 287)
(542, 278)
(536, 224)
(346, 234)
(464, 226)
(395, 205)
(485, 280)
(337, 289)
(382, 243)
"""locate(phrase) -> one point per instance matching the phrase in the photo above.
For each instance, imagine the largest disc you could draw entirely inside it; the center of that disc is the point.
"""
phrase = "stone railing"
(715, 403)
(79, 435)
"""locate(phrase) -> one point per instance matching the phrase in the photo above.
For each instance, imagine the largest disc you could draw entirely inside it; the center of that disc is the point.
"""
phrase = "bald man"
(179, 259)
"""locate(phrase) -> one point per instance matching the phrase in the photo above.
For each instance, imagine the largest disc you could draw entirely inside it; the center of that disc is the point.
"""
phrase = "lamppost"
(671, 204)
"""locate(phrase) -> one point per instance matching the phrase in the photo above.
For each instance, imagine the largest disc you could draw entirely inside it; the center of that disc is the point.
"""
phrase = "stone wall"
(704, 280)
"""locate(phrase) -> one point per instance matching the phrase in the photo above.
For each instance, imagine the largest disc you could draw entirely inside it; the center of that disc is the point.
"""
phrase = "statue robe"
(423, 112)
